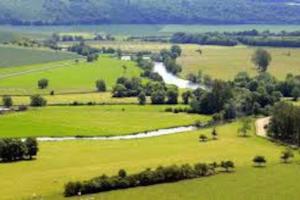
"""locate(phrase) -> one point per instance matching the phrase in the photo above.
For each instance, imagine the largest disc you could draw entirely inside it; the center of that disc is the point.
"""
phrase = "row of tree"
(35, 101)
(17, 149)
(147, 177)
(251, 38)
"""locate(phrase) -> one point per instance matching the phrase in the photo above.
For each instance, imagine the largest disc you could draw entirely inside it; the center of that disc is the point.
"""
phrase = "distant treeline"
(251, 38)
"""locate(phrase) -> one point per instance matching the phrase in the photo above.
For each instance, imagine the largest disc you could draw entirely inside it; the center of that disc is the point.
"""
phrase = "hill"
(149, 11)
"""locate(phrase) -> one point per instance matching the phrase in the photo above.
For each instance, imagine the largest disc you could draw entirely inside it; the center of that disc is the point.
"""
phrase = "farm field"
(92, 120)
(75, 77)
(80, 160)
(16, 56)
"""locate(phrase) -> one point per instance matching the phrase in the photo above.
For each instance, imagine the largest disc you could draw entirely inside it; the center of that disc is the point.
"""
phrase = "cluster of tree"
(168, 57)
(43, 83)
(65, 38)
(17, 149)
(85, 50)
(7, 101)
(251, 38)
(285, 124)
(126, 87)
(37, 101)
(242, 96)
(101, 85)
(147, 67)
(147, 177)
(26, 42)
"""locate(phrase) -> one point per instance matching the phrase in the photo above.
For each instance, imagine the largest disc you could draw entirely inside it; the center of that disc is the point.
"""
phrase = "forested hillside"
(148, 11)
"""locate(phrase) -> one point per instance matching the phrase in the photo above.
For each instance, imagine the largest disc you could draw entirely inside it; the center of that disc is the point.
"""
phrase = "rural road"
(260, 125)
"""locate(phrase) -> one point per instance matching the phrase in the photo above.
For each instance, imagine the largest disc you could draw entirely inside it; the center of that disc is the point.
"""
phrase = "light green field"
(16, 56)
(61, 162)
(92, 120)
(74, 77)
(226, 62)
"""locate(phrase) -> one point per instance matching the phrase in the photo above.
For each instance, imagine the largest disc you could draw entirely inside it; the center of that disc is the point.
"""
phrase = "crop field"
(80, 160)
(75, 77)
(15, 56)
(92, 120)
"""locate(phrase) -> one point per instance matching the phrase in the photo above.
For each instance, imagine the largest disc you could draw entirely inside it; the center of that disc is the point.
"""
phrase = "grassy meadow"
(218, 61)
(71, 77)
(80, 160)
(92, 120)
(17, 56)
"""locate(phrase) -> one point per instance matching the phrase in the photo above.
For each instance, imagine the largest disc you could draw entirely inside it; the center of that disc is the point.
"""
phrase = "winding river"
(168, 79)
(171, 79)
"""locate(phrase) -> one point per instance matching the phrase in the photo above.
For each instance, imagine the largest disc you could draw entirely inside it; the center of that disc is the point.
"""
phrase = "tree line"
(147, 177)
(251, 38)
(17, 149)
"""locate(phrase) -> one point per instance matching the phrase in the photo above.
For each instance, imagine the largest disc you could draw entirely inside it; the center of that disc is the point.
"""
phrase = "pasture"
(68, 77)
(80, 160)
(92, 120)
(17, 56)
(219, 61)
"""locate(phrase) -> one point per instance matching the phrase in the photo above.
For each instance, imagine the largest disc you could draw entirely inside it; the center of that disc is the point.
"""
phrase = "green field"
(16, 56)
(92, 121)
(60, 162)
(146, 29)
(70, 77)
(226, 62)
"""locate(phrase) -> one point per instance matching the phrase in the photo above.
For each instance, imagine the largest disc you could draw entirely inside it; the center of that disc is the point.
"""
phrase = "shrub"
(227, 165)
(43, 83)
(203, 138)
(7, 101)
(287, 155)
(259, 160)
(38, 101)
(101, 86)
(142, 98)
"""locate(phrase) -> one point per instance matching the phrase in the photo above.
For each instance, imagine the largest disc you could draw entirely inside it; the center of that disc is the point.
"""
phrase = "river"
(172, 79)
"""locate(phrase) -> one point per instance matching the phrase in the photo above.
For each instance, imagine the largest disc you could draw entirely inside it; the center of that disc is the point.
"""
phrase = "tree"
(7, 101)
(38, 101)
(259, 161)
(286, 155)
(43, 83)
(122, 173)
(227, 165)
(142, 98)
(296, 93)
(176, 51)
(92, 57)
(119, 90)
(261, 58)
(203, 138)
(172, 95)
(158, 97)
(186, 96)
(100, 85)
(214, 134)
(246, 126)
(31, 147)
